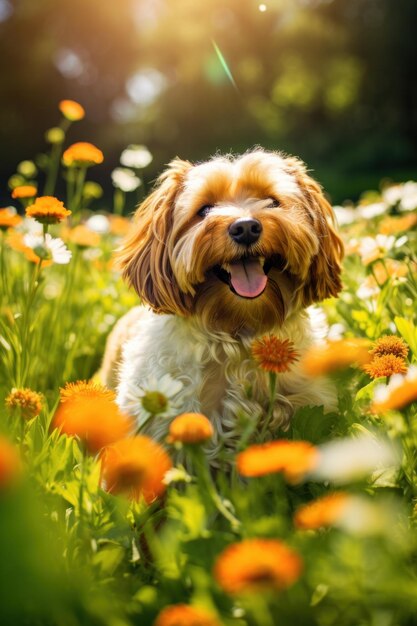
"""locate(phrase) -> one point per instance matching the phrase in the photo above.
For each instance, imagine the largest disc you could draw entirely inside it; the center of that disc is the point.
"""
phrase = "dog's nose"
(245, 230)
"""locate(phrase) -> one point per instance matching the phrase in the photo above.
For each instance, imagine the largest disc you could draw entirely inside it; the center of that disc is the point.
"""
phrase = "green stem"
(203, 473)
(119, 200)
(79, 187)
(272, 394)
(54, 160)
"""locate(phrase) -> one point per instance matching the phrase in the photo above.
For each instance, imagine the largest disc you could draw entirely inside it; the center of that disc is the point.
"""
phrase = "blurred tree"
(332, 81)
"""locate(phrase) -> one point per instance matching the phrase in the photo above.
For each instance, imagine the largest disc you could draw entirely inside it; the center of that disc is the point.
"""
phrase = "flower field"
(100, 525)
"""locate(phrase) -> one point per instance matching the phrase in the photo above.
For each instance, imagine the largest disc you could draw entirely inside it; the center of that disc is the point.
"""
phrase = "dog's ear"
(323, 278)
(144, 256)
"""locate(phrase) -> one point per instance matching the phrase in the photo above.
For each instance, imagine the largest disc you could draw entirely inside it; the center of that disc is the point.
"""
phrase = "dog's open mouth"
(246, 277)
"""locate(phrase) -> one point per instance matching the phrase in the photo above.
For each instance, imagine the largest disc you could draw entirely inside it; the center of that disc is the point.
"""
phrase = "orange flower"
(82, 154)
(71, 110)
(119, 226)
(321, 512)
(385, 365)
(190, 428)
(27, 402)
(390, 344)
(83, 237)
(88, 411)
(395, 225)
(185, 615)
(10, 464)
(335, 355)
(273, 354)
(400, 392)
(293, 458)
(135, 466)
(24, 191)
(255, 565)
(47, 210)
(391, 268)
(8, 219)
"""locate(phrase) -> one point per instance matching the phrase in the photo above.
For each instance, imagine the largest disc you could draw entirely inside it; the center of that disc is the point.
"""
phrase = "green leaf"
(408, 332)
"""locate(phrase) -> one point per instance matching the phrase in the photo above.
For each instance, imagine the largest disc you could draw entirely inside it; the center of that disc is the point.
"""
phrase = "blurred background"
(332, 81)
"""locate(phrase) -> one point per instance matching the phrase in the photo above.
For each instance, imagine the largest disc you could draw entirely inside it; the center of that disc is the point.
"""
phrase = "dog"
(223, 252)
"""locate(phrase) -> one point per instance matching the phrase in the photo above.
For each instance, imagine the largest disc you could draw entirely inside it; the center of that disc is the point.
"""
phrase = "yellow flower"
(24, 191)
(385, 365)
(190, 428)
(256, 565)
(185, 615)
(71, 110)
(273, 354)
(47, 210)
(390, 344)
(336, 355)
(324, 511)
(135, 466)
(25, 401)
(10, 463)
(88, 411)
(82, 154)
(293, 458)
(400, 392)
(82, 236)
(8, 219)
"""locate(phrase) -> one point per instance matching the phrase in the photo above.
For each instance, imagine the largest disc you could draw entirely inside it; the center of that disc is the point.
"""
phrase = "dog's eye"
(273, 202)
(204, 210)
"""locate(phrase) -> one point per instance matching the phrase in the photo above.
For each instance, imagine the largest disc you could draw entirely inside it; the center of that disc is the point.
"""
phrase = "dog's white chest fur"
(217, 373)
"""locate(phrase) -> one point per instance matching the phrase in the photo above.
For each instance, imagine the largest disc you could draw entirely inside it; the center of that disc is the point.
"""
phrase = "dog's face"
(240, 242)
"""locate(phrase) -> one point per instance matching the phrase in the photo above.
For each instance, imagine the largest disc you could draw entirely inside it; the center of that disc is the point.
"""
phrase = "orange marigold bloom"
(390, 344)
(119, 225)
(135, 466)
(82, 236)
(400, 392)
(185, 615)
(82, 154)
(26, 401)
(385, 365)
(391, 268)
(88, 411)
(336, 355)
(9, 219)
(72, 110)
(324, 511)
(273, 354)
(190, 428)
(10, 463)
(293, 458)
(47, 210)
(24, 191)
(395, 225)
(255, 565)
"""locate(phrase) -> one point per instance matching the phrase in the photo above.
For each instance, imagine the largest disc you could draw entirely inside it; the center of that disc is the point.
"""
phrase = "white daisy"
(372, 248)
(368, 211)
(125, 179)
(346, 460)
(345, 215)
(137, 157)
(48, 248)
(153, 397)
(99, 224)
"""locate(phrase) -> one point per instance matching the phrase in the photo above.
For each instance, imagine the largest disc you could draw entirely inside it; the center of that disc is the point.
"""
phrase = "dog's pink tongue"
(248, 278)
